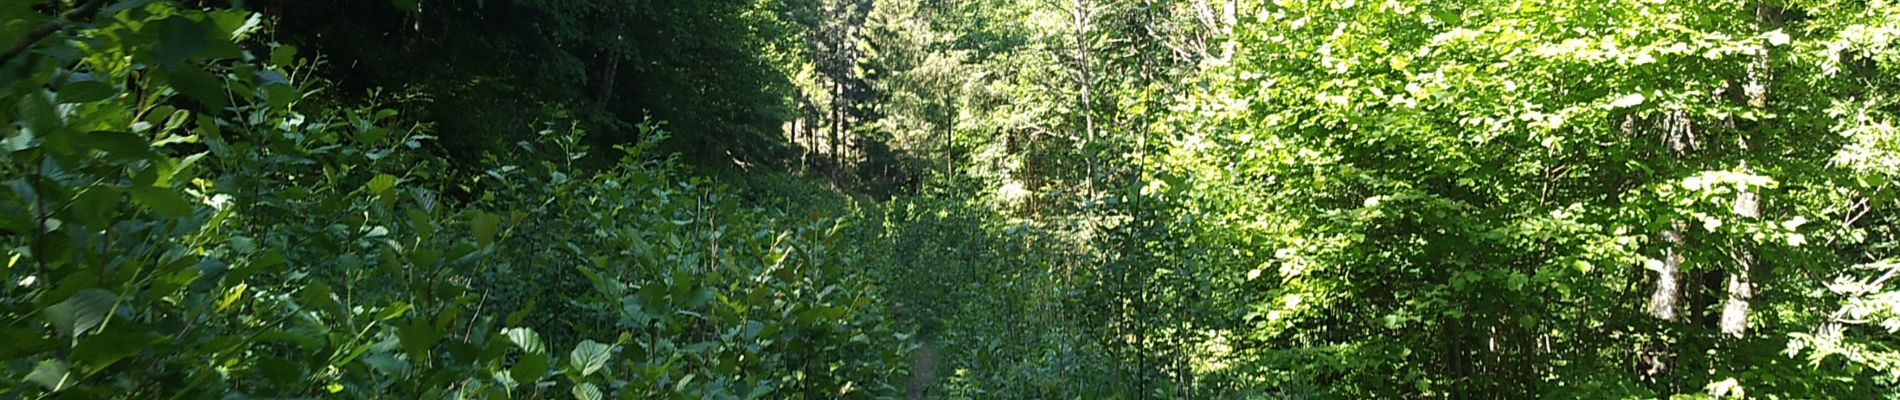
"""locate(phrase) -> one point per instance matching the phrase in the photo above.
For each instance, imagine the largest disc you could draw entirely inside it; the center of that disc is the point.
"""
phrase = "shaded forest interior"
(949, 199)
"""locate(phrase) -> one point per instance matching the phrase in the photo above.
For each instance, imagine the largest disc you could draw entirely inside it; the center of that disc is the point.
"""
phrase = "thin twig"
(470, 331)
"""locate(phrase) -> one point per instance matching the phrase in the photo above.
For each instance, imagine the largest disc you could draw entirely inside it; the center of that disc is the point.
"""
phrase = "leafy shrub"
(185, 219)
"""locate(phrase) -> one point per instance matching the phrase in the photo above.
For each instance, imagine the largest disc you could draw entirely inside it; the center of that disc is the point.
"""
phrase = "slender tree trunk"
(1229, 17)
(1667, 293)
(1082, 22)
(613, 68)
(949, 137)
(801, 137)
(607, 82)
(1741, 281)
(837, 129)
(1666, 296)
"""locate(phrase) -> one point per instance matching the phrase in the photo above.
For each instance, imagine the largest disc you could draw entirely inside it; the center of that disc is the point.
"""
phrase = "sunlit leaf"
(586, 391)
(589, 356)
(526, 339)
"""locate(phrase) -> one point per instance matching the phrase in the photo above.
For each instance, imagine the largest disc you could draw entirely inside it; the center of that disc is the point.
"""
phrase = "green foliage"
(1428, 200)
(188, 222)
(992, 199)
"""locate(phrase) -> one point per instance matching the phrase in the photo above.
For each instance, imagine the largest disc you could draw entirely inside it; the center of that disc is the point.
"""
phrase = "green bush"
(185, 219)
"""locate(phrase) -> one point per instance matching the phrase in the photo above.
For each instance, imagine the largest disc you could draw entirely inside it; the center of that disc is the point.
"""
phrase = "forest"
(950, 199)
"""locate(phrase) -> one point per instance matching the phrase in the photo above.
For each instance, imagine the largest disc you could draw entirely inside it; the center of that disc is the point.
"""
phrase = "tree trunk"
(801, 137)
(607, 82)
(949, 137)
(1741, 281)
(1667, 293)
(613, 68)
(1082, 22)
(837, 128)
(1666, 296)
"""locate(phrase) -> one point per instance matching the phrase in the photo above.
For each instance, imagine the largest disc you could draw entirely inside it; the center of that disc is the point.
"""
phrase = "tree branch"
(48, 29)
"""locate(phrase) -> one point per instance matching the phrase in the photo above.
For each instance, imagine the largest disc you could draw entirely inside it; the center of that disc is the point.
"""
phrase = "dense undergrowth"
(187, 220)
(989, 199)
(192, 218)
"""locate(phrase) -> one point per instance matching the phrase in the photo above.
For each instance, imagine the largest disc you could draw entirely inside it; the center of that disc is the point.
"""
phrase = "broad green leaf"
(526, 339)
(83, 311)
(201, 86)
(163, 201)
(418, 336)
(589, 356)
(22, 341)
(604, 285)
(232, 295)
(697, 297)
(38, 117)
(653, 295)
(283, 55)
(229, 26)
(23, 19)
(372, 135)
(484, 227)
(281, 95)
(391, 312)
(382, 183)
(529, 368)
(17, 142)
(84, 92)
(170, 169)
(387, 365)
(120, 145)
(96, 352)
(423, 224)
(179, 39)
(52, 374)
(586, 391)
